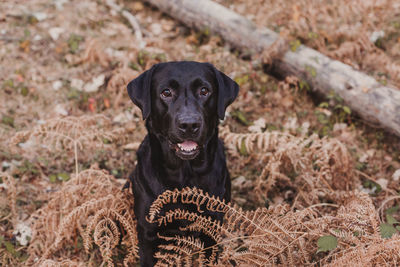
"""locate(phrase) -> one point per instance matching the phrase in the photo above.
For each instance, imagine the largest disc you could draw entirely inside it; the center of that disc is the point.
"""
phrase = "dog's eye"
(166, 93)
(204, 91)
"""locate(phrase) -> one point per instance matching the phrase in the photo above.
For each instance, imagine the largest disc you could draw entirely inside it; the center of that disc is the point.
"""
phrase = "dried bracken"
(116, 86)
(274, 236)
(310, 164)
(70, 134)
(377, 252)
(91, 210)
(94, 53)
(62, 263)
(91, 206)
(11, 193)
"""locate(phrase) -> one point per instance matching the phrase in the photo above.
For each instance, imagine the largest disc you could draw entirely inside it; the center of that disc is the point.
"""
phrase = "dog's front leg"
(148, 244)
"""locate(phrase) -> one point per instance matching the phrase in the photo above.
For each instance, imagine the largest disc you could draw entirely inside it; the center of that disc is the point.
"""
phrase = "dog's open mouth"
(187, 150)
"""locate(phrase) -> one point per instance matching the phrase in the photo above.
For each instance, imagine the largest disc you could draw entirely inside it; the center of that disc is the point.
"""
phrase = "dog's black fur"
(182, 103)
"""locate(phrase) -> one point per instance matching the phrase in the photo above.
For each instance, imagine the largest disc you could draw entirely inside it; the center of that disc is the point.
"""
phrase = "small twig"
(76, 158)
(131, 19)
(288, 245)
(380, 209)
(9, 38)
(323, 205)
(113, 5)
(134, 23)
(375, 181)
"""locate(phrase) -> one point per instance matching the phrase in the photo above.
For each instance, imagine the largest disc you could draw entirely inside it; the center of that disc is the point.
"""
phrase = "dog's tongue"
(188, 145)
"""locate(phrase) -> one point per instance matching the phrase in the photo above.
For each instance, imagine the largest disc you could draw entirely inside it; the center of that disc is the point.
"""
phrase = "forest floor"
(66, 59)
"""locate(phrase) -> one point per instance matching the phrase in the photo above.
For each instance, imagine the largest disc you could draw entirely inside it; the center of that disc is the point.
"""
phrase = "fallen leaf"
(396, 175)
(20, 78)
(387, 230)
(137, 6)
(287, 101)
(123, 117)
(106, 102)
(132, 146)
(192, 40)
(383, 183)
(40, 16)
(55, 32)
(25, 46)
(156, 28)
(296, 13)
(56, 85)
(326, 243)
(23, 233)
(95, 84)
(77, 84)
(92, 104)
(59, 109)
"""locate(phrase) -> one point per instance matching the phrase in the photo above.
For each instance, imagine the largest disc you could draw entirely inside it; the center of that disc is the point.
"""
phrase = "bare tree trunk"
(363, 94)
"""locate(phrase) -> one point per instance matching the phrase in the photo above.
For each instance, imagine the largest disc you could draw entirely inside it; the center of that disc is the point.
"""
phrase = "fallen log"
(370, 99)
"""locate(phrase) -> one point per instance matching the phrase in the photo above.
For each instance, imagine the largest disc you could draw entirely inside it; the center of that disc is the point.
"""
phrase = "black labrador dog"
(182, 103)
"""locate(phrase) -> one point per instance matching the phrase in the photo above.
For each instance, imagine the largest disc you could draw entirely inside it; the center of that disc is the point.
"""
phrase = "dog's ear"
(228, 90)
(139, 91)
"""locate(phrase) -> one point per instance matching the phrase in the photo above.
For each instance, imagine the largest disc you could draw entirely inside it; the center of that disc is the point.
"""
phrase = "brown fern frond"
(116, 86)
(212, 230)
(106, 236)
(309, 163)
(202, 201)
(204, 224)
(167, 259)
(182, 247)
(254, 227)
(187, 196)
(268, 236)
(9, 182)
(179, 256)
(94, 205)
(64, 133)
(69, 134)
(94, 53)
(179, 250)
(122, 215)
(358, 213)
(254, 142)
(62, 263)
(376, 252)
(72, 220)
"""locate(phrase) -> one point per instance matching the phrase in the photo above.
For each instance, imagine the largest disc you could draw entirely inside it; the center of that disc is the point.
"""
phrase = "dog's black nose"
(188, 124)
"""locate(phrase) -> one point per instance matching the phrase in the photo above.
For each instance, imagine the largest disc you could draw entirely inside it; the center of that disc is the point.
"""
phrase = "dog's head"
(182, 102)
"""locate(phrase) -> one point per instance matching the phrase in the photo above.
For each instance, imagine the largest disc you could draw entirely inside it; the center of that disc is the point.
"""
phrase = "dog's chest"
(186, 176)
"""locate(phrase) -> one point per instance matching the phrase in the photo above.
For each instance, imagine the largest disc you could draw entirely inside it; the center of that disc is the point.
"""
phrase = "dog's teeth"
(187, 146)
